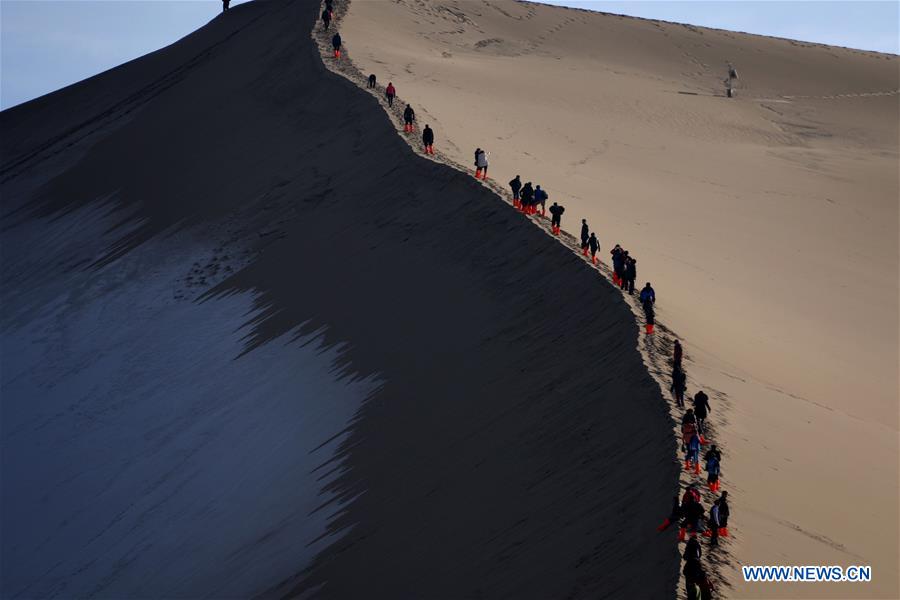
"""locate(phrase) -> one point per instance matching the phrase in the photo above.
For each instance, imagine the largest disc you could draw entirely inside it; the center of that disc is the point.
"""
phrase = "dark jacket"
(584, 233)
(336, 41)
(427, 136)
(648, 293)
(516, 184)
(540, 196)
(527, 193)
(701, 405)
(556, 210)
(692, 550)
(631, 269)
(409, 114)
(594, 243)
(326, 15)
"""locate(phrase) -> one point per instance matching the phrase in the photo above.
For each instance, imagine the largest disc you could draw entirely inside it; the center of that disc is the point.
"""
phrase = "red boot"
(681, 534)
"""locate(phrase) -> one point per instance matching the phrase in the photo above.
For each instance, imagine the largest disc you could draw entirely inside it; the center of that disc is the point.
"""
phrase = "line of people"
(688, 513)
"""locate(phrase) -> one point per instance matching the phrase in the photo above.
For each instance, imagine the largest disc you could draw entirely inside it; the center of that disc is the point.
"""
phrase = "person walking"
(336, 43)
(702, 410)
(585, 234)
(540, 197)
(527, 197)
(556, 212)
(630, 275)
(693, 574)
(649, 315)
(390, 92)
(679, 385)
(616, 258)
(692, 454)
(724, 513)
(428, 140)
(692, 550)
(648, 294)
(515, 185)
(714, 524)
(225, 4)
(409, 115)
(677, 355)
(594, 245)
(713, 469)
(620, 268)
(372, 80)
(481, 164)
(326, 19)
(688, 428)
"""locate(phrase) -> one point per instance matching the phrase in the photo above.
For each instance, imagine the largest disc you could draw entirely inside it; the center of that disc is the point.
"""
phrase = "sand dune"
(253, 345)
(768, 225)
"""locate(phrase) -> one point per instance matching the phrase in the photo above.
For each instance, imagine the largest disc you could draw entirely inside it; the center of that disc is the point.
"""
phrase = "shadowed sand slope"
(767, 223)
(512, 444)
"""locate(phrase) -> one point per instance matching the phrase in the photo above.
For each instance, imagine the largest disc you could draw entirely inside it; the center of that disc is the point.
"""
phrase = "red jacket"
(390, 91)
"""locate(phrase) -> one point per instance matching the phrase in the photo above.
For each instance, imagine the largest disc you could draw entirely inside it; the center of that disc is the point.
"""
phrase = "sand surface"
(250, 349)
(767, 223)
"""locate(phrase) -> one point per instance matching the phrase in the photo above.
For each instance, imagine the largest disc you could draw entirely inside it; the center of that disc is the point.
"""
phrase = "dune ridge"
(468, 413)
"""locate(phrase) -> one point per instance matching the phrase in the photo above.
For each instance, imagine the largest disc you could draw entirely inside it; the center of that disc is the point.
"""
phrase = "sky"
(48, 44)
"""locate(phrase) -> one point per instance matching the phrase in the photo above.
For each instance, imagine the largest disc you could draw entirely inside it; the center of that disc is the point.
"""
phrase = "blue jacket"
(648, 294)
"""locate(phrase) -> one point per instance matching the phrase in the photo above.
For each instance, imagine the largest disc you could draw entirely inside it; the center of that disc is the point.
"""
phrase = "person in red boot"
(679, 385)
(593, 245)
(713, 523)
(390, 92)
(409, 115)
(515, 185)
(556, 220)
(481, 164)
(649, 315)
(692, 454)
(713, 469)
(540, 197)
(724, 513)
(702, 410)
(326, 19)
(428, 140)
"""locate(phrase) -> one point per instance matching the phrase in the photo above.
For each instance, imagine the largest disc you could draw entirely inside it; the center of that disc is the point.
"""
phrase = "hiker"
(372, 80)
(732, 72)
(409, 115)
(688, 428)
(527, 197)
(481, 164)
(679, 385)
(692, 454)
(693, 574)
(724, 513)
(692, 550)
(648, 294)
(692, 521)
(649, 315)
(516, 185)
(390, 92)
(729, 89)
(556, 220)
(630, 275)
(540, 197)
(326, 20)
(677, 354)
(616, 254)
(585, 234)
(713, 470)
(336, 43)
(428, 140)
(594, 245)
(619, 262)
(713, 451)
(674, 516)
(225, 4)
(701, 409)
(714, 524)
